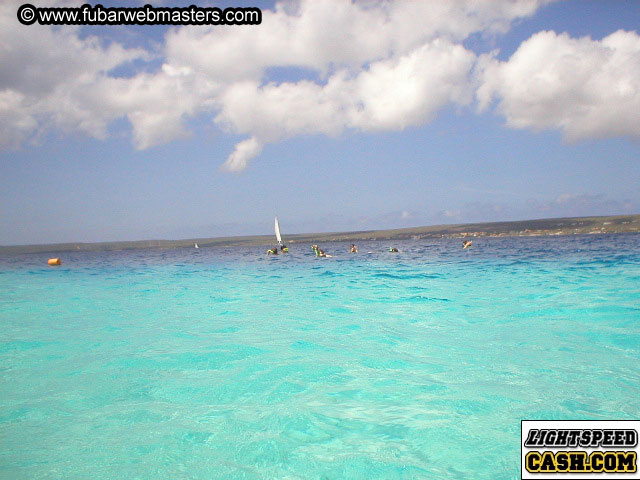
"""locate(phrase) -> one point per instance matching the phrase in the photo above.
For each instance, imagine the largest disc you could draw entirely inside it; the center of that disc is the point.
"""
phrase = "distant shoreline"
(539, 227)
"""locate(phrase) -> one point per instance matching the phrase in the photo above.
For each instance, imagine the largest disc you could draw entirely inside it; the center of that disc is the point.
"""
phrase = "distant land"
(550, 226)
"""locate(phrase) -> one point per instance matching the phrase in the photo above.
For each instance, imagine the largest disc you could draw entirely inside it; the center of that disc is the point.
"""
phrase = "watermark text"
(146, 15)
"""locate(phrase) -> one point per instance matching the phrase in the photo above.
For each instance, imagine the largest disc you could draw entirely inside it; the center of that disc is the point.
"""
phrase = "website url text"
(147, 15)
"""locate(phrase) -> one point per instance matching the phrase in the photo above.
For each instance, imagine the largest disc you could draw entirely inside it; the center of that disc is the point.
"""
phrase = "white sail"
(278, 237)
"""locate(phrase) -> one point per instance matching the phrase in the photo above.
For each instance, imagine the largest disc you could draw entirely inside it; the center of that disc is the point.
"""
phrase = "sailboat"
(278, 237)
(196, 246)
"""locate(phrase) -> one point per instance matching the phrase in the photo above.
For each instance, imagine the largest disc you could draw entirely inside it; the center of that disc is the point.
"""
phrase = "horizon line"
(303, 234)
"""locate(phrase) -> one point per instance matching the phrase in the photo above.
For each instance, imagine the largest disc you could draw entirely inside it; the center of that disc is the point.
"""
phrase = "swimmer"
(393, 249)
(466, 244)
(319, 252)
(284, 249)
(272, 251)
(353, 248)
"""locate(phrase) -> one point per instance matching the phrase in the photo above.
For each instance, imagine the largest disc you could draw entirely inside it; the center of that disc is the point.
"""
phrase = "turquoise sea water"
(225, 363)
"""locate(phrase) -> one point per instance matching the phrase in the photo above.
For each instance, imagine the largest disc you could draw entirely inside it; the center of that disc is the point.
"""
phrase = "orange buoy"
(54, 261)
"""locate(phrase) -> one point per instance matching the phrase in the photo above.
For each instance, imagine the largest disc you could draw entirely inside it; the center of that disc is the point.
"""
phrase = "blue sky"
(334, 116)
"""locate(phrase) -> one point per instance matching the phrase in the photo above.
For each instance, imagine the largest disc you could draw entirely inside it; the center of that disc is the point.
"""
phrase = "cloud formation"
(54, 78)
(57, 78)
(369, 67)
(585, 88)
(388, 95)
(373, 67)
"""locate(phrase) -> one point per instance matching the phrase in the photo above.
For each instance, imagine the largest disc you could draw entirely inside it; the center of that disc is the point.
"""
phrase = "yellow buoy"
(54, 261)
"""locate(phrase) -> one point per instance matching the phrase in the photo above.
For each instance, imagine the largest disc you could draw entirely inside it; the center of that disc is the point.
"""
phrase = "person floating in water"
(284, 249)
(319, 252)
(353, 248)
(466, 244)
(393, 249)
(272, 251)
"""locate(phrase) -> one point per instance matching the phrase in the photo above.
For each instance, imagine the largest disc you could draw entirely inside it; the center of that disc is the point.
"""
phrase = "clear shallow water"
(223, 363)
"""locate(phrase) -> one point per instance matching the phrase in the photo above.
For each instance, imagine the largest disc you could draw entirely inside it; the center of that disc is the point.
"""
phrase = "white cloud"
(372, 66)
(389, 95)
(383, 66)
(393, 94)
(52, 77)
(586, 88)
(16, 119)
(244, 151)
(333, 34)
(157, 104)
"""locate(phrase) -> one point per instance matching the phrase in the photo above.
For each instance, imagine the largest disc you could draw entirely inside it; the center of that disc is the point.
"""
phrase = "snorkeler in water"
(318, 251)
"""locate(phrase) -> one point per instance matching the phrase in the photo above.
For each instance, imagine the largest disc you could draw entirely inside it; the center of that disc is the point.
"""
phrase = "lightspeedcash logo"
(580, 449)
